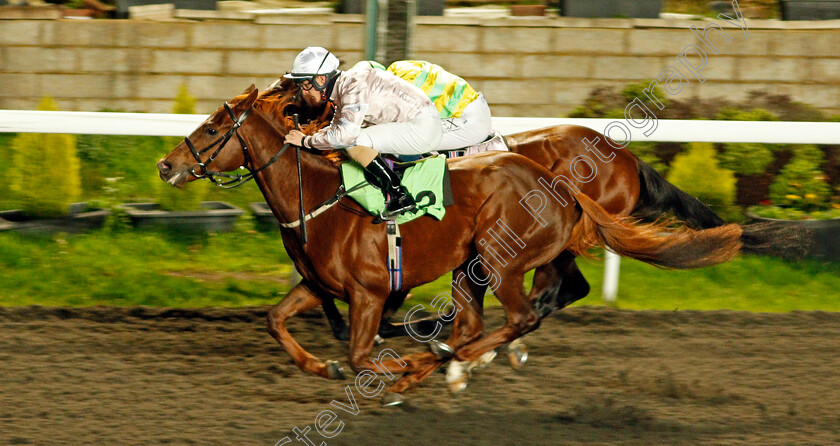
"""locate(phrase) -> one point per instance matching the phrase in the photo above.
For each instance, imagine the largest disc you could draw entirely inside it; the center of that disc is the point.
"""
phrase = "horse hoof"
(457, 376)
(378, 340)
(517, 353)
(392, 399)
(543, 309)
(483, 360)
(442, 350)
(334, 370)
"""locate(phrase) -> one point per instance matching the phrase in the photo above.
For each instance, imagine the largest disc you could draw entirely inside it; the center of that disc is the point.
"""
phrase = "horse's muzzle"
(170, 176)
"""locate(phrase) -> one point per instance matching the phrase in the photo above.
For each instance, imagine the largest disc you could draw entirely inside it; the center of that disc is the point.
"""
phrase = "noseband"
(231, 180)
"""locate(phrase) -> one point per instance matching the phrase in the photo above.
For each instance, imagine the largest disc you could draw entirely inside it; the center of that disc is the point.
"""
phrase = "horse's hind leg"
(573, 288)
(468, 325)
(521, 319)
(423, 327)
(558, 284)
(339, 328)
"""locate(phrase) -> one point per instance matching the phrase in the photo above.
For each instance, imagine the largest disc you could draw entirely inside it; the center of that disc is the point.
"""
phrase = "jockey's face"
(311, 95)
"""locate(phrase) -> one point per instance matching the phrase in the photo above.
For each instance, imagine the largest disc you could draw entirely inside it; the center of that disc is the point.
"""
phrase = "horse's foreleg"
(300, 299)
(411, 380)
(365, 315)
(468, 326)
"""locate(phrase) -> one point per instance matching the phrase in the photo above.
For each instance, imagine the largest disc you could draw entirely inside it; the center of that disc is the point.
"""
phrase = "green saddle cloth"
(426, 181)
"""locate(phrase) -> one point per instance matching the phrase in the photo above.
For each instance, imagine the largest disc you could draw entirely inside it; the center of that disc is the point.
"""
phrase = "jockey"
(375, 112)
(464, 112)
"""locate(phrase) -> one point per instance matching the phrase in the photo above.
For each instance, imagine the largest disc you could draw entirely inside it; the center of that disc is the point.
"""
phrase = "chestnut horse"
(346, 256)
(612, 176)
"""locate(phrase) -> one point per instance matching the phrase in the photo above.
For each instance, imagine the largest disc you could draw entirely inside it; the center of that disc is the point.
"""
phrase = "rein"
(234, 180)
(237, 180)
(321, 208)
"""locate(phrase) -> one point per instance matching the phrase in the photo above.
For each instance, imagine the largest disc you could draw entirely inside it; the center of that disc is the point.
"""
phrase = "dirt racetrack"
(125, 376)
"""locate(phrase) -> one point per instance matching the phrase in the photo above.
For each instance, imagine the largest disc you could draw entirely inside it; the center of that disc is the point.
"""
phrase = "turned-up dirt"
(125, 376)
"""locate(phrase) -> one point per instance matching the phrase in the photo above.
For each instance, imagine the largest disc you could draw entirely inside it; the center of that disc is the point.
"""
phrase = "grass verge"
(245, 267)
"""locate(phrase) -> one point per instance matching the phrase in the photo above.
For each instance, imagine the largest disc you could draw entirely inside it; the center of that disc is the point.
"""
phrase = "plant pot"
(648, 9)
(810, 9)
(80, 219)
(824, 234)
(264, 219)
(216, 216)
(527, 10)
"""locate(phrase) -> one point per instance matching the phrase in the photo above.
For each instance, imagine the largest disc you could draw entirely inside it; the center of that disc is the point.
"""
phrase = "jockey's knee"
(362, 154)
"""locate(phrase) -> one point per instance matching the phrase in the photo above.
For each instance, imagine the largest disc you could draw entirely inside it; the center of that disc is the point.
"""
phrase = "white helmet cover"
(311, 62)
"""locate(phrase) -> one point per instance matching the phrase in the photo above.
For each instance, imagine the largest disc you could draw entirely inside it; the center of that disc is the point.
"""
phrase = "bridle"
(232, 180)
(238, 180)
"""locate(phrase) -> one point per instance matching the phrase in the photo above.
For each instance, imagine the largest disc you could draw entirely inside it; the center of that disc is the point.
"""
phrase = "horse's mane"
(281, 102)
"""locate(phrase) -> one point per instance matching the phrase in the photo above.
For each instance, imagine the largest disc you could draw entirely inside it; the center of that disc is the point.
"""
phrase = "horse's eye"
(211, 131)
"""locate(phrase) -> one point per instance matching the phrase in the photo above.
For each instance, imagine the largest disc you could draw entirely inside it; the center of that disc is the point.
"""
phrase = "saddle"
(494, 142)
(426, 180)
(425, 176)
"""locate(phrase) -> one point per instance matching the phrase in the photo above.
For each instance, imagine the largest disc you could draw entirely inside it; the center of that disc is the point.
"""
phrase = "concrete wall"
(525, 67)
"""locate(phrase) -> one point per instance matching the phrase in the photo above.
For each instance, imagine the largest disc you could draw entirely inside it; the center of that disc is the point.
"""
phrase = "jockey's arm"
(347, 122)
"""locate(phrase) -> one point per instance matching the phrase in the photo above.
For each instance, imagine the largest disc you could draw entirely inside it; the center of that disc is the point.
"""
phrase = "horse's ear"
(252, 93)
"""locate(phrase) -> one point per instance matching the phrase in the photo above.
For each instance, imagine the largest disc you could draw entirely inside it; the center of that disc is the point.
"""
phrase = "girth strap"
(395, 268)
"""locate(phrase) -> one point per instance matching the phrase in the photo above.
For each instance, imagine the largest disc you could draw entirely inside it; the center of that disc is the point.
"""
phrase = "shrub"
(598, 103)
(632, 91)
(781, 213)
(170, 198)
(45, 176)
(809, 152)
(6, 198)
(801, 184)
(736, 114)
(697, 173)
(746, 158)
(646, 151)
(604, 102)
(184, 102)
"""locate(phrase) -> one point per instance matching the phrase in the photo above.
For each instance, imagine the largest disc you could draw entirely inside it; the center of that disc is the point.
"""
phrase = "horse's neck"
(279, 182)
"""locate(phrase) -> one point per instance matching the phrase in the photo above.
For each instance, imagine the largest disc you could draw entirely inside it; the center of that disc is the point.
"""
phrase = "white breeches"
(472, 127)
(420, 135)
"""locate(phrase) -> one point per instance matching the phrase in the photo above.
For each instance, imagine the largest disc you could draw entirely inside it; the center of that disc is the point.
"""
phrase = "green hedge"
(698, 174)
(45, 173)
(755, 166)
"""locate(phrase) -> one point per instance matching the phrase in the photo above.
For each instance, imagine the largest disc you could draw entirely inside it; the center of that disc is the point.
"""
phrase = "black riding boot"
(401, 201)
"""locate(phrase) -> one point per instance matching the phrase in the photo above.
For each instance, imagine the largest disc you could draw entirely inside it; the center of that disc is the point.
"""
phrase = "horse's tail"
(653, 243)
(777, 239)
(657, 196)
